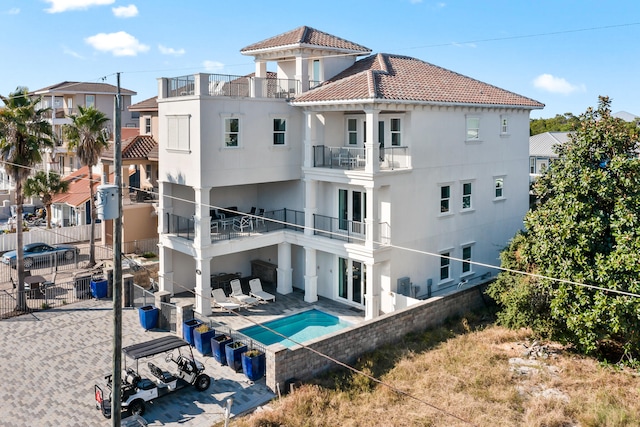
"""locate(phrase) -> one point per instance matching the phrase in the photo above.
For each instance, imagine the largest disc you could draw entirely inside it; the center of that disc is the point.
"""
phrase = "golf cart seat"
(164, 376)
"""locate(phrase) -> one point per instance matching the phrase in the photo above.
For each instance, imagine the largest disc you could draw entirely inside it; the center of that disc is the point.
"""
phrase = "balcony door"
(351, 280)
(352, 208)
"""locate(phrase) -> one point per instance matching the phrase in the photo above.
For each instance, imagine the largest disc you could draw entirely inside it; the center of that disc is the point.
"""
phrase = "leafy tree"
(24, 132)
(45, 186)
(585, 229)
(86, 134)
(560, 123)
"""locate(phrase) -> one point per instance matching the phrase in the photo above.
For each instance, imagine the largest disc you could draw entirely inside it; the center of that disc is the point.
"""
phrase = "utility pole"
(116, 404)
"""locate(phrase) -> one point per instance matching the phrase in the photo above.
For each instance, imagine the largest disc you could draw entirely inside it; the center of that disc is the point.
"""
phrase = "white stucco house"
(542, 152)
(379, 177)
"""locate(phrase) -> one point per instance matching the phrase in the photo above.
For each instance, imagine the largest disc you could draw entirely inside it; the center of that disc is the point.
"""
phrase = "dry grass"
(460, 375)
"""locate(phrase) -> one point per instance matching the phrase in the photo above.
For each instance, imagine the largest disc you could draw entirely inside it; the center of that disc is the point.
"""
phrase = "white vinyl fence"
(80, 233)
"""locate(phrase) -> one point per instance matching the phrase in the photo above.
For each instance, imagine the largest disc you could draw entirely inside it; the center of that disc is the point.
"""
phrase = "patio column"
(372, 146)
(372, 293)
(310, 137)
(310, 275)
(372, 219)
(165, 273)
(203, 286)
(165, 207)
(285, 272)
(202, 220)
(310, 209)
(302, 72)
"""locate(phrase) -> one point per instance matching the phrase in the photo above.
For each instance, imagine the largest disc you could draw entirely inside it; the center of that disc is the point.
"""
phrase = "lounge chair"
(258, 292)
(221, 300)
(236, 292)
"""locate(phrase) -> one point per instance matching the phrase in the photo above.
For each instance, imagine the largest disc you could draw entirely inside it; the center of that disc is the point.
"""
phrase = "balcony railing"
(354, 158)
(228, 85)
(180, 226)
(281, 219)
(340, 229)
(181, 86)
(231, 86)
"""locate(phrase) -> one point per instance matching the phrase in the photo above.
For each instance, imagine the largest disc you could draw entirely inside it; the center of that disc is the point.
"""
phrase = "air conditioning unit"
(404, 286)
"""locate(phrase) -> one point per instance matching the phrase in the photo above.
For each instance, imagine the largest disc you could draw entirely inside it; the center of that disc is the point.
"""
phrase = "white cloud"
(70, 52)
(213, 66)
(555, 84)
(125, 11)
(65, 5)
(119, 44)
(170, 51)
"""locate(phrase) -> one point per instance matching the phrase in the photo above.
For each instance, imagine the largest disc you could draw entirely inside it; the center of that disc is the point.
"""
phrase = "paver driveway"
(50, 361)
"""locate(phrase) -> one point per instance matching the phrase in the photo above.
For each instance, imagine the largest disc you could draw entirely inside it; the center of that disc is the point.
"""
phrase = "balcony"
(228, 85)
(340, 229)
(354, 158)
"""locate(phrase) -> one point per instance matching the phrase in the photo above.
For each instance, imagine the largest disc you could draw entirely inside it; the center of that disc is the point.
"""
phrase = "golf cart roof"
(153, 347)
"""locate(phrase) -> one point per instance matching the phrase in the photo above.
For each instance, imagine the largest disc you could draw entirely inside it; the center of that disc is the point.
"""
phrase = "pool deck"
(284, 305)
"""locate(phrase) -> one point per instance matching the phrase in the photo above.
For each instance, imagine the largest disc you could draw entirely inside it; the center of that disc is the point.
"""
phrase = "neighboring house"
(147, 111)
(72, 208)
(627, 117)
(64, 99)
(376, 177)
(541, 151)
(140, 172)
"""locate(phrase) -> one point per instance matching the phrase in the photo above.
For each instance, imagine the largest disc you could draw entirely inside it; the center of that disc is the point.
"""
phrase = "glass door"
(351, 280)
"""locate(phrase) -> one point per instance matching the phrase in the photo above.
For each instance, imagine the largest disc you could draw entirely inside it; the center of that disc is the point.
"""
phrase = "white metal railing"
(80, 233)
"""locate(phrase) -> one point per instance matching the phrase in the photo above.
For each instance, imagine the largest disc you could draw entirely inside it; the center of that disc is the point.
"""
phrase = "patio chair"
(237, 293)
(242, 224)
(260, 217)
(258, 292)
(220, 300)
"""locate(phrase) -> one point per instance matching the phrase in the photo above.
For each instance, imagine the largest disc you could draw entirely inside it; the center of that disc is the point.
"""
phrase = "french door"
(351, 280)
(352, 208)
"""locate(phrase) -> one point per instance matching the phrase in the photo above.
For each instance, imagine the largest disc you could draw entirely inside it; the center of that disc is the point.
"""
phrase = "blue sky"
(562, 53)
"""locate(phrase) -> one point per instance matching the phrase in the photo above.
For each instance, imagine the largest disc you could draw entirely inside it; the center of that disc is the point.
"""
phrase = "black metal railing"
(181, 86)
(340, 229)
(279, 219)
(180, 226)
(229, 85)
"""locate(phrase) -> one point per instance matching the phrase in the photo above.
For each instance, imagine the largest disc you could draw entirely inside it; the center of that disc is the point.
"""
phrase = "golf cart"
(136, 389)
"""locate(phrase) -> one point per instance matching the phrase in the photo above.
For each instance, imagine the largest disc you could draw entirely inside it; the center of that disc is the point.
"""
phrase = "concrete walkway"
(50, 361)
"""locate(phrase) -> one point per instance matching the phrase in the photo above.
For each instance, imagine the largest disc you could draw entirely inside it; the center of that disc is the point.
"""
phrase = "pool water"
(300, 327)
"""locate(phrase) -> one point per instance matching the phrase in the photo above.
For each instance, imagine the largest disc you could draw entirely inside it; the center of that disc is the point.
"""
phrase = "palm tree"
(45, 186)
(87, 135)
(24, 132)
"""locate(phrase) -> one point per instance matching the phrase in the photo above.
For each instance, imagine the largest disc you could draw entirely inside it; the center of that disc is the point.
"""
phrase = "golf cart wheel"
(28, 263)
(202, 382)
(68, 255)
(137, 407)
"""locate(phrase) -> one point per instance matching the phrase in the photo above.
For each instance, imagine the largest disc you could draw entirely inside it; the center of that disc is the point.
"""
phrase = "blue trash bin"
(148, 316)
(99, 288)
(189, 326)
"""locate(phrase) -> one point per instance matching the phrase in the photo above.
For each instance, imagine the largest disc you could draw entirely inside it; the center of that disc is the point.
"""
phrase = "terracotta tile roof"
(150, 104)
(78, 193)
(127, 133)
(305, 36)
(82, 87)
(137, 148)
(402, 78)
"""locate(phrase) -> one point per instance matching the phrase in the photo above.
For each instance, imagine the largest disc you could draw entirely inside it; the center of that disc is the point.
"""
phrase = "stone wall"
(300, 363)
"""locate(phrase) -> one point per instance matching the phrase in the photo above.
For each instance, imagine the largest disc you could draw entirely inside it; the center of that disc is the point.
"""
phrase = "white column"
(372, 220)
(203, 286)
(372, 146)
(285, 272)
(165, 276)
(202, 220)
(302, 72)
(372, 294)
(165, 205)
(261, 69)
(310, 275)
(310, 209)
(310, 137)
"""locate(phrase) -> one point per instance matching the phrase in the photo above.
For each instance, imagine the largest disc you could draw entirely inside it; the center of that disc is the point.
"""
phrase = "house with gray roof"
(371, 179)
(542, 152)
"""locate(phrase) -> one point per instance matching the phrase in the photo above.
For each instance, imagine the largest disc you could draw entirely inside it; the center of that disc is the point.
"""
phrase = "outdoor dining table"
(223, 281)
(32, 283)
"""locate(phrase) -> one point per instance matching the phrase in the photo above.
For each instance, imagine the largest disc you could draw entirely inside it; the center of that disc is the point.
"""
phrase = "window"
(473, 128)
(445, 195)
(466, 257)
(504, 125)
(395, 132)
(352, 131)
(231, 131)
(532, 165)
(444, 266)
(147, 125)
(147, 172)
(499, 187)
(178, 132)
(89, 101)
(279, 131)
(466, 195)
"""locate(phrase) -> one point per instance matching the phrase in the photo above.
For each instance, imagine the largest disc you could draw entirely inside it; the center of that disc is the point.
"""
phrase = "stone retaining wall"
(299, 363)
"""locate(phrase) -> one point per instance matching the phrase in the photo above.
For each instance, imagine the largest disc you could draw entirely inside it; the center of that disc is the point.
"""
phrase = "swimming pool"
(300, 327)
